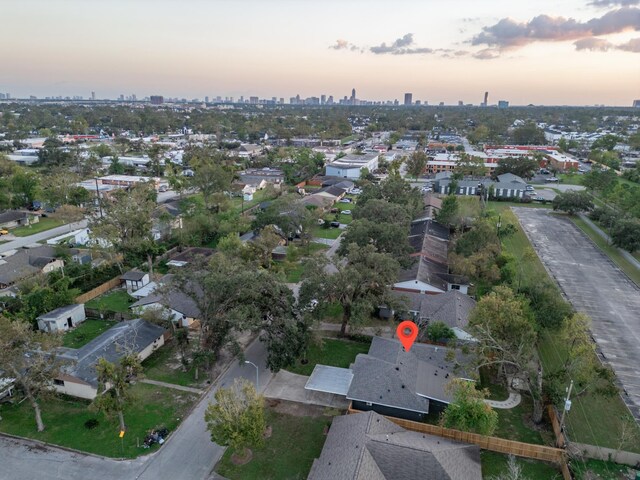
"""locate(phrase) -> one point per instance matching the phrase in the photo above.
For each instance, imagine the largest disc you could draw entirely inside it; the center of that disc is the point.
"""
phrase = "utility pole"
(567, 406)
(98, 195)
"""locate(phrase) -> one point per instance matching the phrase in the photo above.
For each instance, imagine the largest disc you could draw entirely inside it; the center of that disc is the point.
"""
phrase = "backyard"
(85, 332)
(288, 454)
(114, 301)
(43, 225)
(164, 365)
(65, 419)
(495, 464)
(333, 352)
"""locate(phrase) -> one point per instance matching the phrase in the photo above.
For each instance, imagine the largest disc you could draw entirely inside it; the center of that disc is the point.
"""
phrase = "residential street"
(187, 454)
(20, 242)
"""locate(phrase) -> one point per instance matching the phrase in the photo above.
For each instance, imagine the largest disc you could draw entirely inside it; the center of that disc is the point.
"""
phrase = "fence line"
(495, 444)
(99, 290)
(561, 438)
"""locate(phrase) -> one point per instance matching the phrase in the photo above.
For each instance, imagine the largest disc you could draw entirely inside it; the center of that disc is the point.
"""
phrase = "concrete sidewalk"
(290, 386)
(511, 402)
(172, 385)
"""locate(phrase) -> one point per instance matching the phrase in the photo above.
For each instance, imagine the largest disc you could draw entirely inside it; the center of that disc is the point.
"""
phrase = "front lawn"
(65, 419)
(44, 224)
(164, 365)
(287, 454)
(495, 464)
(333, 352)
(329, 233)
(115, 301)
(85, 332)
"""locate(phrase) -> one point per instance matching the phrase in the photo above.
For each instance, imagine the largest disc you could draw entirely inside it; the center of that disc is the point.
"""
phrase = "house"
(429, 274)
(451, 308)
(135, 279)
(13, 218)
(62, 319)
(394, 382)
(432, 205)
(78, 375)
(507, 185)
(367, 446)
(351, 166)
(75, 237)
(180, 307)
(190, 255)
(254, 176)
(18, 265)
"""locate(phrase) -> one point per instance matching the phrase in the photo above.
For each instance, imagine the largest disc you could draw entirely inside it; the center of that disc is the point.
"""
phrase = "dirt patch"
(242, 459)
(299, 409)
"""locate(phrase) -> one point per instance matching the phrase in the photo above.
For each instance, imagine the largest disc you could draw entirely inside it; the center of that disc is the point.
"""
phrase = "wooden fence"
(494, 444)
(561, 438)
(99, 290)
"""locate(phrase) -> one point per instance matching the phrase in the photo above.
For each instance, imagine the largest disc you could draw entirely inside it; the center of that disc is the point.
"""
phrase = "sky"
(561, 52)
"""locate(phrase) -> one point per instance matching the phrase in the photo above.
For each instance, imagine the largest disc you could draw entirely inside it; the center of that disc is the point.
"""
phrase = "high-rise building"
(206, 99)
(486, 99)
(636, 104)
(408, 98)
(156, 99)
(460, 103)
(323, 99)
(503, 104)
(93, 95)
(353, 96)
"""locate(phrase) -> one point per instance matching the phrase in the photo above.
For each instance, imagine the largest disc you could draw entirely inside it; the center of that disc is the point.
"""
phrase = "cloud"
(400, 46)
(614, 3)
(340, 45)
(602, 45)
(487, 54)
(508, 33)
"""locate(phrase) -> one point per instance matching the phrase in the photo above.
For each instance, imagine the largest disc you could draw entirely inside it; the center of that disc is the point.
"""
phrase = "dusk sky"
(573, 52)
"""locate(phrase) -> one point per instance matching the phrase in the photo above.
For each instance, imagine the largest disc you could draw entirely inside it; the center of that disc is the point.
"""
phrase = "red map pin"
(407, 332)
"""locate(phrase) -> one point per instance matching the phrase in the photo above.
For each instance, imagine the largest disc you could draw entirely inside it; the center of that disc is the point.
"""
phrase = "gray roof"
(330, 379)
(134, 335)
(174, 299)
(11, 216)
(390, 376)
(58, 312)
(25, 263)
(367, 446)
(452, 308)
(512, 178)
(133, 275)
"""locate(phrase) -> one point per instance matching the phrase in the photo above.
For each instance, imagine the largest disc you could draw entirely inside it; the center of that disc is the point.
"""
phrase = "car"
(356, 191)
(529, 188)
(163, 188)
(335, 210)
(552, 179)
(346, 212)
(4, 232)
(345, 200)
(335, 224)
(540, 199)
(544, 171)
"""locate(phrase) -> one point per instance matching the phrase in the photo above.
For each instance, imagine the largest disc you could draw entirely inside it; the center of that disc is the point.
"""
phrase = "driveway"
(595, 286)
(189, 452)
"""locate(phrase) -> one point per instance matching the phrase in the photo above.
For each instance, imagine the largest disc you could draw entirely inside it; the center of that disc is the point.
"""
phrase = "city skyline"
(573, 53)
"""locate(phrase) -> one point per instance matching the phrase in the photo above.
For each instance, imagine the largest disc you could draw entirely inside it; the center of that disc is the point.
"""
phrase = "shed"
(62, 319)
(135, 279)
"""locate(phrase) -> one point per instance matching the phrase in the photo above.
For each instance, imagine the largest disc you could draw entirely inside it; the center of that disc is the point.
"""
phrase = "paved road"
(20, 242)
(595, 286)
(188, 453)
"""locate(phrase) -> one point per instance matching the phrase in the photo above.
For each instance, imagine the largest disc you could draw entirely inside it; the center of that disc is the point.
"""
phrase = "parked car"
(540, 199)
(552, 179)
(4, 232)
(544, 171)
(335, 210)
(345, 200)
(356, 191)
(529, 188)
(335, 224)
(346, 212)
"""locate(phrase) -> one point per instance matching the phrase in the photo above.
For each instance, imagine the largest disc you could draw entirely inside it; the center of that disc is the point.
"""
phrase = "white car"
(346, 212)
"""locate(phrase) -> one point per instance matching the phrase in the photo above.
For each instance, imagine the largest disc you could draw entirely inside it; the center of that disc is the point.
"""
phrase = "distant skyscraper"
(486, 99)
(353, 96)
(503, 104)
(323, 99)
(206, 99)
(93, 95)
(408, 98)
(156, 99)
(460, 103)
(636, 103)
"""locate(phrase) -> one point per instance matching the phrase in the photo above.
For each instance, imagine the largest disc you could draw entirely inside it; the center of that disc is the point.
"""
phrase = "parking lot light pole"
(257, 377)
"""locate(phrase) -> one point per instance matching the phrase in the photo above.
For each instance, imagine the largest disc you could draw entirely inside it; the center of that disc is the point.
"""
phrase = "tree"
(52, 153)
(127, 219)
(114, 385)
(626, 234)
(448, 211)
(468, 411)
(211, 179)
(25, 186)
(261, 248)
(359, 286)
(396, 190)
(600, 179)
(69, 214)
(416, 163)
(523, 167)
(439, 331)
(236, 419)
(30, 358)
(514, 471)
(156, 152)
(528, 134)
(479, 135)
(506, 336)
(470, 165)
(572, 202)
(390, 238)
(57, 187)
(606, 142)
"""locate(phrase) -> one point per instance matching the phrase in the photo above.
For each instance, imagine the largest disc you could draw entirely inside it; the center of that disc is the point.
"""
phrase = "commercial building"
(408, 98)
(351, 166)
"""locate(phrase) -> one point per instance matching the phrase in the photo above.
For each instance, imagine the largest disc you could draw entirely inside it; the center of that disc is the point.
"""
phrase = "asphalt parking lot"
(595, 286)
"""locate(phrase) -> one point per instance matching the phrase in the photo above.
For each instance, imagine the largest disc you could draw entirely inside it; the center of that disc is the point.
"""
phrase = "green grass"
(497, 391)
(612, 252)
(332, 352)
(495, 464)
(65, 417)
(44, 224)
(85, 332)
(294, 274)
(515, 424)
(586, 469)
(286, 455)
(237, 204)
(116, 301)
(164, 365)
(593, 419)
(502, 206)
(329, 233)
(570, 179)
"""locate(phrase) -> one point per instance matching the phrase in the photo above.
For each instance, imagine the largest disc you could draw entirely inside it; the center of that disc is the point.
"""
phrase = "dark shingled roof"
(25, 263)
(11, 216)
(367, 446)
(452, 307)
(135, 335)
(133, 275)
(390, 376)
(174, 299)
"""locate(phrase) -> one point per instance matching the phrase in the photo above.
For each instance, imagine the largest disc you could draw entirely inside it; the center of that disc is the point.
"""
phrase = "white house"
(350, 166)
(62, 319)
(135, 279)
